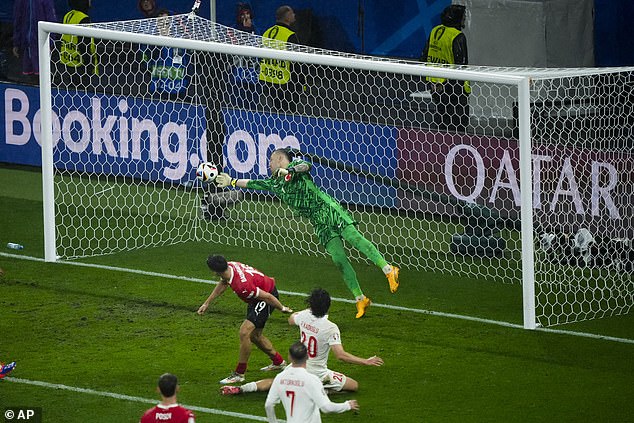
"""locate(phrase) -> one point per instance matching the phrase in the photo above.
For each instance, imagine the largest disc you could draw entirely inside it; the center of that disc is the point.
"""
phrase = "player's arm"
(346, 357)
(272, 398)
(318, 395)
(225, 180)
(270, 412)
(297, 166)
(272, 301)
(291, 319)
(218, 291)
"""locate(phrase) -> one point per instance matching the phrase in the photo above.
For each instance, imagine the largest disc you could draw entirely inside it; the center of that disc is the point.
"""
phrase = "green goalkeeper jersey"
(300, 193)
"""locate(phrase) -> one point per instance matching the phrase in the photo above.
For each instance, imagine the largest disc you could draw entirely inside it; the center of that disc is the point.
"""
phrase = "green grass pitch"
(106, 335)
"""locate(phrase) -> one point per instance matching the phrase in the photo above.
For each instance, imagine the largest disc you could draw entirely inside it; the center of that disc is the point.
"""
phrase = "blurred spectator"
(169, 65)
(148, 8)
(244, 18)
(26, 15)
(244, 69)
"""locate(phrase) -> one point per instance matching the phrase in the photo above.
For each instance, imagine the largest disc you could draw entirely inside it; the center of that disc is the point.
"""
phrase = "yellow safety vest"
(441, 50)
(69, 52)
(272, 70)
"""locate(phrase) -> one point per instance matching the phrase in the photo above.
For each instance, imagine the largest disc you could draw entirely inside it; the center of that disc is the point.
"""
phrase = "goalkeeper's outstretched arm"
(224, 180)
(280, 165)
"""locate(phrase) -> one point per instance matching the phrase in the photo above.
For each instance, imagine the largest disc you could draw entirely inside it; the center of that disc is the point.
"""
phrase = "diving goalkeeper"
(292, 183)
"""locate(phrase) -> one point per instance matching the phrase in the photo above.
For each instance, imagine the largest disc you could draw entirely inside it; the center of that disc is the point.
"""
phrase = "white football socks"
(249, 387)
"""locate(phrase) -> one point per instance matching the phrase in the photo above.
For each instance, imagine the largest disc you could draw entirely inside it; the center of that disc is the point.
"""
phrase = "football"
(206, 172)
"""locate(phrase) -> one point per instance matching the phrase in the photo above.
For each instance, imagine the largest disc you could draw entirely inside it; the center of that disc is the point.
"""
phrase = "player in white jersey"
(301, 393)
(320, 336)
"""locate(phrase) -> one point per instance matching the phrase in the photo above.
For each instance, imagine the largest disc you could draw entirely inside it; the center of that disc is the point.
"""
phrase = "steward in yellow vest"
(448, 45)
(280, 84)
(272, 70)
(78, 53)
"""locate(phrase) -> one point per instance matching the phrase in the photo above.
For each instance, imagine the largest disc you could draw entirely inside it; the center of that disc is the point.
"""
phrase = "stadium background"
(399, 28)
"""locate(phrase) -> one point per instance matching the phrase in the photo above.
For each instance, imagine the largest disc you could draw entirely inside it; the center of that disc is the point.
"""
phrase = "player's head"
(217, 263)
(280, 158)
(319, 302)
(285, 15)
(453, 16)
(286, 152)
(298, 353)
(167, 384)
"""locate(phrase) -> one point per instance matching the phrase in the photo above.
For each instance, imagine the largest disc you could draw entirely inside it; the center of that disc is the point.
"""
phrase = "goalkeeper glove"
(223, 180)
(284, 171)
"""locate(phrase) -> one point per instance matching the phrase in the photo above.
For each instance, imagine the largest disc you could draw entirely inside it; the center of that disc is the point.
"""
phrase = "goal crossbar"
(417, 69)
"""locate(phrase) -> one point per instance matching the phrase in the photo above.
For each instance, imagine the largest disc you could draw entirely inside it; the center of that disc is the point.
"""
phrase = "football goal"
(522, 176)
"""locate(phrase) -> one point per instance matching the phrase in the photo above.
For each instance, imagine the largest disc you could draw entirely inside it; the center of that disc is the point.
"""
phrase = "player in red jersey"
(259, 292)
(5, 369)
(168, 410)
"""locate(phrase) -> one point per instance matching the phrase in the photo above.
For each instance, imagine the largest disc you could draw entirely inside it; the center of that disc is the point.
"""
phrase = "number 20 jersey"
(318, 334)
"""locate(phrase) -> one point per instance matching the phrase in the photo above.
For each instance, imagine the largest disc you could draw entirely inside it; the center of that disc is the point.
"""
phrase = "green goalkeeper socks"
(338, 255)
(354, 237)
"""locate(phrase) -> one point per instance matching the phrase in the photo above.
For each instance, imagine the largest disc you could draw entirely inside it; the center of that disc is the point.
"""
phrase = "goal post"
(526, 210)
(478, 202)
(50, 251)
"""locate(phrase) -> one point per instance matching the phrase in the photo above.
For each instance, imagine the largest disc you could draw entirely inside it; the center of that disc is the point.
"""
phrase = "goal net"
(432, 174)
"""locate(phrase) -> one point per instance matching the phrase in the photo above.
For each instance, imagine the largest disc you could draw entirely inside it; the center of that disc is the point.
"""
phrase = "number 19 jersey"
(246, 281)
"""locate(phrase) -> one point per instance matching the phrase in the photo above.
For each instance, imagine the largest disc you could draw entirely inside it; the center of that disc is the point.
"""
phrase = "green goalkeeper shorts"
(329, 222)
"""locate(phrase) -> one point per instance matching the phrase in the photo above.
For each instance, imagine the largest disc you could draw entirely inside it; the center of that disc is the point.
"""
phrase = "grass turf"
(114, 331)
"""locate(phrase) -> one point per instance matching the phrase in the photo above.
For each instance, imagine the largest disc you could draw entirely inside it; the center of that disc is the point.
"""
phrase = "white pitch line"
(343, 300)
(132, 398)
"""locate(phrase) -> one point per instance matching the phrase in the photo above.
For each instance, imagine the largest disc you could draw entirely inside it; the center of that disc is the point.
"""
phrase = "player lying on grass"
(259, 292)
(320, 336)
(291, 181)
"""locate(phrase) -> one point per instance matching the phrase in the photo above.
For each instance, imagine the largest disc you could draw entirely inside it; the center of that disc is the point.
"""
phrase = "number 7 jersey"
(318, 334)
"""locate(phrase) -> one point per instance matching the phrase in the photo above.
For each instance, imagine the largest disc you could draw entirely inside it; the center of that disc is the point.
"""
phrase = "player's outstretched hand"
(374, 361)
(202, 309)
(287, 310)
(354, 405)
(223, 180)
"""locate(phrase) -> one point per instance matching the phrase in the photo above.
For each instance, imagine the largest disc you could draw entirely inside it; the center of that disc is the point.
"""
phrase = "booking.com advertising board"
(116, 135)
(164, 141)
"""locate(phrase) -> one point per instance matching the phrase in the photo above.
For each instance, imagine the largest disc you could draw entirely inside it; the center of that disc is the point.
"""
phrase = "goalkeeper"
(292, 183)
